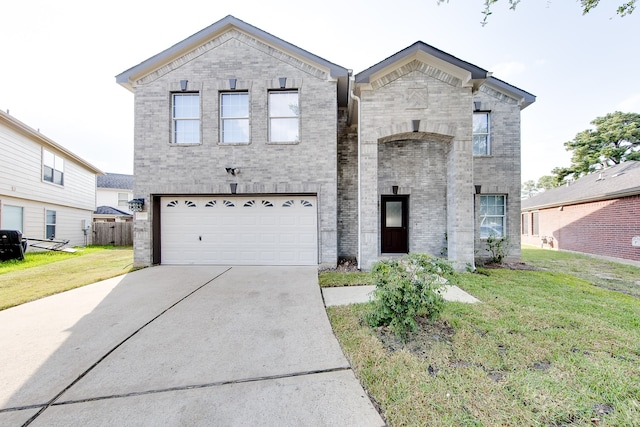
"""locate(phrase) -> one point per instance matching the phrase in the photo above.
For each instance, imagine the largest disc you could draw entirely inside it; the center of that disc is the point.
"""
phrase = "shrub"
(498, 247)
(407, 288)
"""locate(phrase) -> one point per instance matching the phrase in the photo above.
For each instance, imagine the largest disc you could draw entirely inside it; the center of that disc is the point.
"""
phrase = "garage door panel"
(265, 230)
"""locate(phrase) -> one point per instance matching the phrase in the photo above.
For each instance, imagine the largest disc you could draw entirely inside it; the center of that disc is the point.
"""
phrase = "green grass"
(328, 279)
(605, 274)
(46, 273)
(543, 348)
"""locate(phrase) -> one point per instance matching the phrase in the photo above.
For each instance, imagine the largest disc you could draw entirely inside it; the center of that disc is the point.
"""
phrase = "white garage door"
(260, 230)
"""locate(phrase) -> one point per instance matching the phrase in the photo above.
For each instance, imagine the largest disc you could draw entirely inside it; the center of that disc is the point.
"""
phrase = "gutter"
(357, 99)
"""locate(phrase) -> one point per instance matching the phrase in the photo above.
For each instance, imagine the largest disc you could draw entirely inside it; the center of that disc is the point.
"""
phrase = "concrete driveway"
(178, 345)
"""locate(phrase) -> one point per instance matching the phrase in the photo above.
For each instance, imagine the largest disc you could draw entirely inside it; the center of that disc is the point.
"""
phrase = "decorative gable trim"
(415, 65)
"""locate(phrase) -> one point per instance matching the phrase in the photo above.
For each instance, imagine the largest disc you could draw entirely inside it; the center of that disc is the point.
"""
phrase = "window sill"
(232, 144)
(173, 144)
(283, 143)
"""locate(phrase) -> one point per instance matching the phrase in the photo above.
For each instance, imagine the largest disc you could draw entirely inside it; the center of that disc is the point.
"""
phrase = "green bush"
(406, 288)
(498, 247)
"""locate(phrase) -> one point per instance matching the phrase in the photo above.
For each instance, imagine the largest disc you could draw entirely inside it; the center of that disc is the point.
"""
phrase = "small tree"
(406, 288)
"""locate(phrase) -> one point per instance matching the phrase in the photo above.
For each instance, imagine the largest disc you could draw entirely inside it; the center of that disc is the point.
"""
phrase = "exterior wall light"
(234, 187)
(478, 189)
(394, 188)
(135, 205)
(232, 84)
(283, 82)
(415, 125)
(183, 85)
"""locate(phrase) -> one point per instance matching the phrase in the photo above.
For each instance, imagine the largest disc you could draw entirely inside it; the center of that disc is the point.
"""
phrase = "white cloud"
(506, 70)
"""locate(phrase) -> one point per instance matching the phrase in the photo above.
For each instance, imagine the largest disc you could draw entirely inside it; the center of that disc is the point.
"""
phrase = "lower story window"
(534, 220)
(492, 216)
(12, 218)
(50, 225)
(525, 223)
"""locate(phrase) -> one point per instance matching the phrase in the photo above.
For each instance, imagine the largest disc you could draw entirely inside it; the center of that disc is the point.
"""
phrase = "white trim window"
(481, 134)
(12, 218)
(52, 167)
(284, 116)
(492, 215)
(234, 117)
(185, 113)
(50, 224)
(123, 200)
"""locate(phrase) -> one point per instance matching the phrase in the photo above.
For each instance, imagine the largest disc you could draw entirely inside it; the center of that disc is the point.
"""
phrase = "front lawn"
(543, 348)
(46, 273)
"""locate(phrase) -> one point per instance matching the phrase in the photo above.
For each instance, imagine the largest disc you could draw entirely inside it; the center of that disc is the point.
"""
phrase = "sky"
(59, 59)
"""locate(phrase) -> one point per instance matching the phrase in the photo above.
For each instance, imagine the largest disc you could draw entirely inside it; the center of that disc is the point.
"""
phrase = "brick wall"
(306, 167)
(601, 228)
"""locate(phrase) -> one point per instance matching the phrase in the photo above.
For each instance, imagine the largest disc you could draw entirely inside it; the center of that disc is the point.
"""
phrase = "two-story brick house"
(250, 150)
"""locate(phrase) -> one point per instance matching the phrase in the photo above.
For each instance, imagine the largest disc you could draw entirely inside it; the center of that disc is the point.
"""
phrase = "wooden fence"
(113, 233)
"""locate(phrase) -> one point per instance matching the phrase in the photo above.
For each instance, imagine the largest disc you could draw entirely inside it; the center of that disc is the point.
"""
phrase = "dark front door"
(395, 221)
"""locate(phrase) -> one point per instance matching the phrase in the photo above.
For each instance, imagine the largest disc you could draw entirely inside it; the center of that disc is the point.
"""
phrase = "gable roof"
(465, 71)
(36, 136)
(115, 180)
(475, 72)
(525, 98)
(126, 78)
(617, 181)
(108, 210)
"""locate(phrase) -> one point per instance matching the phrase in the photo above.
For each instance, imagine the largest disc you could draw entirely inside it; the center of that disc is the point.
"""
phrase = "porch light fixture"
(415, 125)
(232, 171)
(394, 188)
(478, 189)
(283, 82)
(135, 205)
(232, 84)
(234, 187)
(477, 106)
(183, 85)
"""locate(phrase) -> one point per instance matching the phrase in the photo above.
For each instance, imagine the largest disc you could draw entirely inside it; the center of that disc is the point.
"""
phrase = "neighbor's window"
(12, 217)
(492, 214)
(525, 223)
(123, 199)
(52, 167)
(234, 117)
(284, 113)
(186, 118)
(534, 219)
(50, 224)
(481, 134)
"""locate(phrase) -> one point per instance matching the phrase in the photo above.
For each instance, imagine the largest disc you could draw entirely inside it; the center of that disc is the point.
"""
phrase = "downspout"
(357, 99)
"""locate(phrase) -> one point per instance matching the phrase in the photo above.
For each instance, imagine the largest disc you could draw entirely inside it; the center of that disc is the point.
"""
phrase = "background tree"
(528, 189)
(615, 139)
(626, 8)
(547, 182)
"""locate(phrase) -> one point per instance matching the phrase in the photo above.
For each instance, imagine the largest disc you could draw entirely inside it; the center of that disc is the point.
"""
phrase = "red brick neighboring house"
(597, 214)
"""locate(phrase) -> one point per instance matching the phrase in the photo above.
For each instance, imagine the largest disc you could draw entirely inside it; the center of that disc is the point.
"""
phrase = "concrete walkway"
(346, 295)
(171, 346)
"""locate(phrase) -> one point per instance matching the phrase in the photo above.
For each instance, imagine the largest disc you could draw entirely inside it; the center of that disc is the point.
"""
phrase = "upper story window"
(284, 113)
(492, 215)
(123, 199)
(481, 140)
(52, 167)
(186, 118)
(234, 117)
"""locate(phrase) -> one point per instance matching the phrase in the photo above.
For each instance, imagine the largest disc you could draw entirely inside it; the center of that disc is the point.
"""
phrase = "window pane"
(235, 105)
(59, 163)
(187, 131)
(480, 123)
(283, 130)
(236, 130)
(51, 217)
(48, 174)
(57, 177)
(480, 145)
(186, 105)
(11, 218)
(51, 232)
(393, 214)
(283, 104)
(48, 158)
